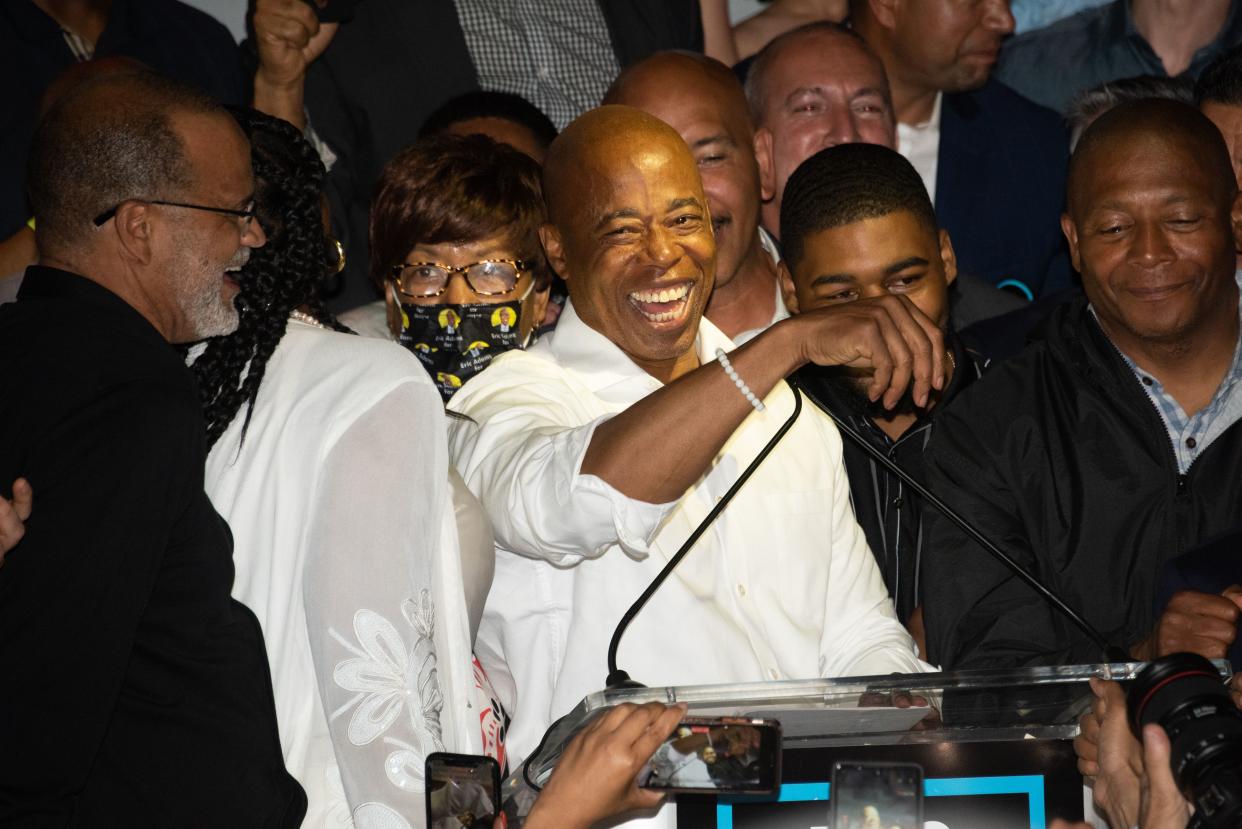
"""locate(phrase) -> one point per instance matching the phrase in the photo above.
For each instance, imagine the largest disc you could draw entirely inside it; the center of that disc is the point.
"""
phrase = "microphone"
(1108, 651)
(618, 678)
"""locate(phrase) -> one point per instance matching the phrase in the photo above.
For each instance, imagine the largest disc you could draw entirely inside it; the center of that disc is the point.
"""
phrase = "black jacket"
(1060, 457)
(136, 690)
(891, 517)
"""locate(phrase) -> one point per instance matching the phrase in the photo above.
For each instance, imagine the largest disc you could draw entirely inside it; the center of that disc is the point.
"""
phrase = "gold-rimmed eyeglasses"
(490, 277)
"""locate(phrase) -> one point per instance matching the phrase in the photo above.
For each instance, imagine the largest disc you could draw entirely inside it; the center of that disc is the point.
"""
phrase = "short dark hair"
(109, 139)
(846, 184)
(1221, 81)
(488, 104)
(455, 188)
(762, 62)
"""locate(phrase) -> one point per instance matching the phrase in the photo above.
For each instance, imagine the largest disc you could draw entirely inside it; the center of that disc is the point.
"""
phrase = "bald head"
(645, 81)
(1142, 131)
(108, 139)
(584, 157)
(702, 99)
(630, 233)
(839, 48)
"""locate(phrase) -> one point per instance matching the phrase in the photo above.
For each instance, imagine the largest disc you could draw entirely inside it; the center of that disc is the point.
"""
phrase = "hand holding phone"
(595, 777)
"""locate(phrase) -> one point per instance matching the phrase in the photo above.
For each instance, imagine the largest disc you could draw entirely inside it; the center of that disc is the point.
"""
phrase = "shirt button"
(741, 590)
(1190, 442)
(772, 672)
(1146, 381)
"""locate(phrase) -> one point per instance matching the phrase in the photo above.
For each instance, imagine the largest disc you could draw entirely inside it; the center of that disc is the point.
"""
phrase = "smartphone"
(888, 795)
(737, 755)
(333, 11)
(464, 788)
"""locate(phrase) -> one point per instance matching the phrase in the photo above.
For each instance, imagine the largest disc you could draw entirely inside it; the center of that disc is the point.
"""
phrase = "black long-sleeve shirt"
(890, 515)
(135, 691)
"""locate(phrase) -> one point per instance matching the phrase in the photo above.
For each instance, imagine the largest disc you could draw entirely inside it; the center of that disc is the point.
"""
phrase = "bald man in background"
(1111, 445)
(598, 450)
(702, 99)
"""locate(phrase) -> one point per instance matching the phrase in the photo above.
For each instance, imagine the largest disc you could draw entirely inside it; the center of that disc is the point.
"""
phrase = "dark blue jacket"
(1000, 187)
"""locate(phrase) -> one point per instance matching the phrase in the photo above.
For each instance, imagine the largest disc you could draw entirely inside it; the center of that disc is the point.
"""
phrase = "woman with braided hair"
(329, 461)
(361, 553)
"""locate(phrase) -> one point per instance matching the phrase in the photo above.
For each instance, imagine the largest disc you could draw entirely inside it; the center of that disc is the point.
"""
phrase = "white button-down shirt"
(782, 586)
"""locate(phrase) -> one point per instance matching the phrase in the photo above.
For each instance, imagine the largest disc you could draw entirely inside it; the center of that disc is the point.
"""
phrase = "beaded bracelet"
(738, 381)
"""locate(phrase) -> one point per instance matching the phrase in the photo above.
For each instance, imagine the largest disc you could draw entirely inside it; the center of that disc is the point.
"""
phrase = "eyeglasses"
(246, 215)
(491, 277)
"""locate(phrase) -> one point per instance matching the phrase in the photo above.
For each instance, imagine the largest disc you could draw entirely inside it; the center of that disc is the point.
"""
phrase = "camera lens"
(1183, 694)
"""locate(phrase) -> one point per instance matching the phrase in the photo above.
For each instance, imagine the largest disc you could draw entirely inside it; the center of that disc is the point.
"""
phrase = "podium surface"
(999, 733)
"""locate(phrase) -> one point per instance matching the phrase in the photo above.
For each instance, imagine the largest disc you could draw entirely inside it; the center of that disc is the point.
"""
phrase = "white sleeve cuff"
(618, 519)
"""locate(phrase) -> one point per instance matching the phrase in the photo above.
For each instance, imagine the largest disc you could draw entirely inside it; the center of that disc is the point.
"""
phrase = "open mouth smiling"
(662, 304)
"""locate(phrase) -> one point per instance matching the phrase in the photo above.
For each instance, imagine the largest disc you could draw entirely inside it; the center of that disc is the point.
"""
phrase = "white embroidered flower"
(387, 677)
(378, 816)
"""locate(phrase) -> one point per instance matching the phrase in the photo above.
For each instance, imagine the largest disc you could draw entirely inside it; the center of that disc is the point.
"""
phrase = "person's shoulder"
(519, 373)
(1004, 104)
(1052, 39)
(184, 16)
(326, 359)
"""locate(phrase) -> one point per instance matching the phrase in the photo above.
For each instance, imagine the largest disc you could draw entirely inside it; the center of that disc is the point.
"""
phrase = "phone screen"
(462, 791)
(877, 796)
(717, 755)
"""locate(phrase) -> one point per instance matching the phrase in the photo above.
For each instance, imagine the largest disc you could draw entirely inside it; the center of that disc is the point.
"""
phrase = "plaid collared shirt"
(1191, 434)
(555, 53)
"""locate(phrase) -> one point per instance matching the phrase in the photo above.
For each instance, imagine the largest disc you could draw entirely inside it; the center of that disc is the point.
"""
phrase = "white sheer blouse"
(347, 550)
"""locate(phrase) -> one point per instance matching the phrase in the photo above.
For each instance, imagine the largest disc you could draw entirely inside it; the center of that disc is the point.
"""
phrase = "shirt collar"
(604, 368)
(933, 120)
(42, 283)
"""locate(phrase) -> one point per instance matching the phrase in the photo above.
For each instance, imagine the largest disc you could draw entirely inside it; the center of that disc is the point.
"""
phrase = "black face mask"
(456, 342)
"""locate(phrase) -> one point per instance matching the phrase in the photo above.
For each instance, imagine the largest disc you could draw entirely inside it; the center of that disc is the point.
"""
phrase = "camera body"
(1183, 694)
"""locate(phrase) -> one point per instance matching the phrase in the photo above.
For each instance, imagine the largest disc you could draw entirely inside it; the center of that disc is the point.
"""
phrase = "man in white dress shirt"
(597, 451)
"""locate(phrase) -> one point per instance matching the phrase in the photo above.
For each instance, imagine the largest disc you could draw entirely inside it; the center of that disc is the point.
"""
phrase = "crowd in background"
(358, 378)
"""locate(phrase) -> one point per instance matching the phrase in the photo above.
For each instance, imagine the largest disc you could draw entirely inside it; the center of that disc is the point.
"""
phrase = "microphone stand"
(618, 678)
(1109, 652)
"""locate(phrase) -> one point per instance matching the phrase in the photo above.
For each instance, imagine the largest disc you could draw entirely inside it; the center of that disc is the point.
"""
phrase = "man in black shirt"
(136, 690)
(859, 226)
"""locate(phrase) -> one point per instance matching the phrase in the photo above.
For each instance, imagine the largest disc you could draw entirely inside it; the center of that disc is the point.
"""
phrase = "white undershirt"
(920, 144)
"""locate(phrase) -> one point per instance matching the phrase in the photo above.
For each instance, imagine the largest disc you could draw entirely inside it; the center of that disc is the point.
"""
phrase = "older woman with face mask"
(455, 251)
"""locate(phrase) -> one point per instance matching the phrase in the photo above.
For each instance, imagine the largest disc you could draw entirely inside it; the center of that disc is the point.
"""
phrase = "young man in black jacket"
(1113, 444)
(859, 226)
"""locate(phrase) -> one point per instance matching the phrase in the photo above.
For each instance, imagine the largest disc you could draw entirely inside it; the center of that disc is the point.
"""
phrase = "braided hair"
(282, 275)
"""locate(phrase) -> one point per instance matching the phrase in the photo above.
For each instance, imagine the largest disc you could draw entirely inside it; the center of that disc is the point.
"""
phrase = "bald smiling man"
(597, 451)
(701, 98)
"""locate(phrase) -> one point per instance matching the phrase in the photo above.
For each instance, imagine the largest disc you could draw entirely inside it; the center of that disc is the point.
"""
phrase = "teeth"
(663, 295)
